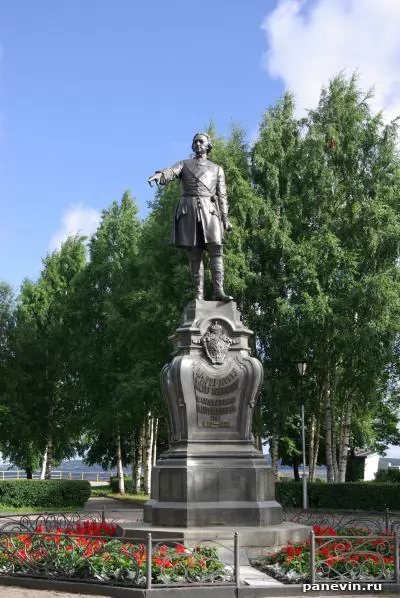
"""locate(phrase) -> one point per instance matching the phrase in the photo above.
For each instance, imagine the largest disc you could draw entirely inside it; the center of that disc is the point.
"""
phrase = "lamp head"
(301, 366)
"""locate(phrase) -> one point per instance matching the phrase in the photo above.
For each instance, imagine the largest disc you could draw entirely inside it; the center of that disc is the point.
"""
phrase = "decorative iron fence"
(386, 521)
(83, 547)
(31, 522)
(343, 547)
(69, 547)
(366, 558)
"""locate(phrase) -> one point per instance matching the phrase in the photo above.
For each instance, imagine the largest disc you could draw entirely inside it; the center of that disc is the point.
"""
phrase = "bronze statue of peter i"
(201, 216)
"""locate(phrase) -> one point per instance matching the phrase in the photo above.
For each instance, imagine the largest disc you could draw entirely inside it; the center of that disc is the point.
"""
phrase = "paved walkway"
(12, 592)
(115, 509)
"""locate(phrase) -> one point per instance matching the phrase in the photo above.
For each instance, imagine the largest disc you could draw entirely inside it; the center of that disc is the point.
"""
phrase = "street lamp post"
(301, 367)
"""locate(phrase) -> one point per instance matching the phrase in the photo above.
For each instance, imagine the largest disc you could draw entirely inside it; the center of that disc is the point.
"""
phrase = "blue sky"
(95, 95)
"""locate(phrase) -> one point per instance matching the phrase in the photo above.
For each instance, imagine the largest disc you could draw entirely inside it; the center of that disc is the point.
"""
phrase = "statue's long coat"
(203, 200)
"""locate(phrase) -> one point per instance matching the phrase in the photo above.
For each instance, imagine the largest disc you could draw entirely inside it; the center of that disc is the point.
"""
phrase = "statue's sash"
(198, 177)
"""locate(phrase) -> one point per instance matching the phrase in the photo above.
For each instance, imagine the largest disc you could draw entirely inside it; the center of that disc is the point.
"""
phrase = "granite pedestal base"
(255, 538)
(233, 488)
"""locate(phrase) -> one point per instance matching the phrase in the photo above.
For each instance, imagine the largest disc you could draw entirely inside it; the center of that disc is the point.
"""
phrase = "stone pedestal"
(212, 475)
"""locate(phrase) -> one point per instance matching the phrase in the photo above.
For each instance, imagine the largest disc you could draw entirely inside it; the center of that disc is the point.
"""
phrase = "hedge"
(387, 475)
(44, 493)
(372, 496)
(115, 487)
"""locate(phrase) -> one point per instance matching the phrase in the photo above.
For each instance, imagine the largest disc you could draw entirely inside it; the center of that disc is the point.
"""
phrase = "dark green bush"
(289, 494)
(368, 496)
(355, 469)
(388, 475)
(128, 485)
(44, 493)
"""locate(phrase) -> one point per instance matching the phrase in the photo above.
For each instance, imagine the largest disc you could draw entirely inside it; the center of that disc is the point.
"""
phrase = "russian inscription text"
(216, 397)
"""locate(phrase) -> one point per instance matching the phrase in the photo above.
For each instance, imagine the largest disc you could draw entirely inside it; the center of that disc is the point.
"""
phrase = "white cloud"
(77, 220)
(311, 41)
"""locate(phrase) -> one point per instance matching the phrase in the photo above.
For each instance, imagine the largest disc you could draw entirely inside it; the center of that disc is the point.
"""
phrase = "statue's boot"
(197, 272)
(217, 273)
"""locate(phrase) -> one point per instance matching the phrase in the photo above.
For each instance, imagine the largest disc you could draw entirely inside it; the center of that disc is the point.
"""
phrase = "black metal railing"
(49, 546)
(361, 547)
(31, 522)
(384, 521)
(364, 558)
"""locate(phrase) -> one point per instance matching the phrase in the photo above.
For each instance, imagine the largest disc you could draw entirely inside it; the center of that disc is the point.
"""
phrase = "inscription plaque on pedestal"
(216, 396)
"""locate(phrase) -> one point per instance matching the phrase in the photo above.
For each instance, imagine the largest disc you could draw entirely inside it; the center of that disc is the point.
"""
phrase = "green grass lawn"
(138, 499)
(6, 509)
(100, 490)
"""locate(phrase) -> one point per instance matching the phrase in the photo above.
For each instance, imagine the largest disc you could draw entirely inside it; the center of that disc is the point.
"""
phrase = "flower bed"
(345, 554)
(91, 552)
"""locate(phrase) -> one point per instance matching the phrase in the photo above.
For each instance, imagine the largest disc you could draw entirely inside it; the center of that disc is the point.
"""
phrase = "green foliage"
(361, 496)
(289, 493)
(107, 345)
(44, 493)
(7, 308)
(355, 469)
(39, 382)
(388, 475)
(128, 485)
(325, 277)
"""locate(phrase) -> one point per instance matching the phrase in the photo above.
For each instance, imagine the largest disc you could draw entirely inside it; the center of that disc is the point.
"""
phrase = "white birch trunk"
(139, 462)
(148, 446)
(274, 450)
(133, 461)
(344, 447)
(334, 445)
(44, 464)
(120, 470)
(330, 475)
(49, 448)
(311, 447)
(316, 445)
(154, 447)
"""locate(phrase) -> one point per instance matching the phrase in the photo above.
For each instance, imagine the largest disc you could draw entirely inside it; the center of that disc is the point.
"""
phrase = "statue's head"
(207, 137)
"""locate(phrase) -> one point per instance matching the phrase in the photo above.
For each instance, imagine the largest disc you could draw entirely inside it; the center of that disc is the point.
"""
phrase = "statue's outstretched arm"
(162, 177)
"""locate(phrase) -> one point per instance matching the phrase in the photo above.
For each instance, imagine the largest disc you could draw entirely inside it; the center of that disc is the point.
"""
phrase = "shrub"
(127, 481)
(372, 496)
(44, 493)
(388, 475)
(355, 469)
(289, 493)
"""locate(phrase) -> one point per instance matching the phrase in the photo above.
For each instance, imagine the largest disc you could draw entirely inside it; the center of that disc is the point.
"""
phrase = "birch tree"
(326, 247)
(43, 417)
(351, 197)
(108, 346)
